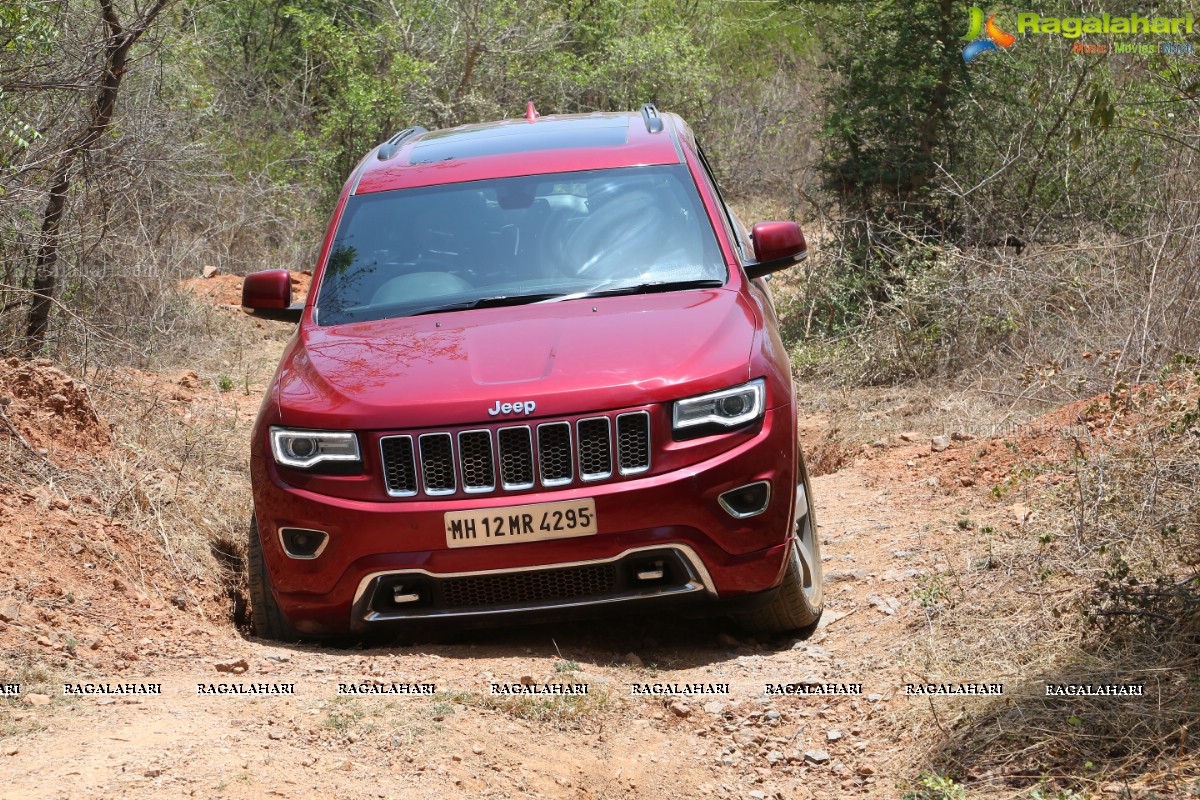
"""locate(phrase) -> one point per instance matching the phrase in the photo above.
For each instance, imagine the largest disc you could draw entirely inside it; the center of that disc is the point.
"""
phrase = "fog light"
(302, 542)
(746, 501)
(402, 593)
(653, 571)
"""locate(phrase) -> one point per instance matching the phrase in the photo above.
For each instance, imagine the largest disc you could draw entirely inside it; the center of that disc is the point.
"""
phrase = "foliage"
(925, 155)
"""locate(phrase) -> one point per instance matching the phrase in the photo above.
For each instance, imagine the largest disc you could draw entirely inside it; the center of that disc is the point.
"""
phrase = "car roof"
(514, 147)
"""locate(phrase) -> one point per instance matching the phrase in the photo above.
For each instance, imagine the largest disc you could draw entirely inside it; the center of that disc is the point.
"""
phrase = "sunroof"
(519, 138)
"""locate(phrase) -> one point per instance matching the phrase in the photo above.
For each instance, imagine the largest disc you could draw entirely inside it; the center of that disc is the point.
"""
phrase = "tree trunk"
(45, 278)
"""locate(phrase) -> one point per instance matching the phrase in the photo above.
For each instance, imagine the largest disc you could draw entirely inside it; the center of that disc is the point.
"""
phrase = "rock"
(60, 503)
(715, 707)
(210, 271)
(633, 660)
(1020, 513)
(874, 698)
(188, 380)
(11, 751)
(76, 548)
(527, 680)
(679, 708)
(816, 756)
(939, 443)
(879, 443)
(774, 757)
(44, 642)
(932, 481)
(119, 585)
(37, 699)
(909, 436)
(234, 667)
(477, 749)
(179, 601)
(865, 769)
(456, 757)
(773, 715)
(959, 436)
(966, 480)
(9, 611)
(887, 605)
(757, 795)
(837, 575)
(833, 736)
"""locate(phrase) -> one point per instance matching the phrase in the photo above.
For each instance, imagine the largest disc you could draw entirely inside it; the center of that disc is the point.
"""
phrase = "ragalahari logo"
(984, 37)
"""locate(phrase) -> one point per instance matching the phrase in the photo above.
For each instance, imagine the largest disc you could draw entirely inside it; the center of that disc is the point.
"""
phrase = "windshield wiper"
(495, 301)
(640, 288)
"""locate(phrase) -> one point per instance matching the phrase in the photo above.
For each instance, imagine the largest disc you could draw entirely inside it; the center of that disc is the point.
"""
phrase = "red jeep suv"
(538, 371)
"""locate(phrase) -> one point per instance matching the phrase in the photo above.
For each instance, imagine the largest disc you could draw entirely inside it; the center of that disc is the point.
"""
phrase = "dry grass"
(175, 476)
(1100, 587)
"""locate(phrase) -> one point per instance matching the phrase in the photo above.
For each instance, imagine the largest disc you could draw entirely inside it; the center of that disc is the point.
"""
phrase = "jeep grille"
(516, 457)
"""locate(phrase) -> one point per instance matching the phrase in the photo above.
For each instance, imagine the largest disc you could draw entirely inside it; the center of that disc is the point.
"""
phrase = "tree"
(119, 40)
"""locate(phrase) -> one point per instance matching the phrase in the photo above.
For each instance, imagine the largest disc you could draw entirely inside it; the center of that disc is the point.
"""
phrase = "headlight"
(728, 408)
(304, 449)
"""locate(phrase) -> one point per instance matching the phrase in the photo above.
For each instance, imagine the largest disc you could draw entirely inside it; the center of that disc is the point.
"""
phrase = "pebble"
(939, 443)
(774, 757)
(715, 707)
(833, 736)
(477, 749)
(816, 756)
(152, 773)
(680, 708)
(236, 667)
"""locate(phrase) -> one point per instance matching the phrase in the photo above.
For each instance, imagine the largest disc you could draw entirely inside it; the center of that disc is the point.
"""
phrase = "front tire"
(797, 607)
(266, 617)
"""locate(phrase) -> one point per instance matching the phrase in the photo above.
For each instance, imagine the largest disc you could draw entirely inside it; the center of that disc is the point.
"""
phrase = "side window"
(736, 233)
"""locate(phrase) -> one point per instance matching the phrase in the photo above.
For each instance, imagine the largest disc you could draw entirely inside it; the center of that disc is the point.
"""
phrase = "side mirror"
(777, 245)
(268, 294)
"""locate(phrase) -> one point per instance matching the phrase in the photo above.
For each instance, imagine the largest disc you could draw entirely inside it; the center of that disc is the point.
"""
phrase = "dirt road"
(465, 741)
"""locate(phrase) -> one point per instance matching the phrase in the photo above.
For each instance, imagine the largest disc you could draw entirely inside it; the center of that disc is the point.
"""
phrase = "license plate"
(515, 524)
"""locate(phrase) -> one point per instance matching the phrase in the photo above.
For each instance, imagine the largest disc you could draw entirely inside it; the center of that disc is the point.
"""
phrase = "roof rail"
(392, 145)
(653, 121)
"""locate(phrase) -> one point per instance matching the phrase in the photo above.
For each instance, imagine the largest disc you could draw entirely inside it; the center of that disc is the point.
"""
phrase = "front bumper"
(675, 517)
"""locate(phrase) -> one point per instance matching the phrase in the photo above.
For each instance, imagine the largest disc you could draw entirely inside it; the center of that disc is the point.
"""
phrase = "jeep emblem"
(518, 407)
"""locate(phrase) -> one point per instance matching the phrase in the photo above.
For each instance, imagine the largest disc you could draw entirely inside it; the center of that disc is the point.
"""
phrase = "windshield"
(530, 239)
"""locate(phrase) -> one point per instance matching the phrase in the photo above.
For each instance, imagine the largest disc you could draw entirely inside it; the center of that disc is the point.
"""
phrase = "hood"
(566, 358)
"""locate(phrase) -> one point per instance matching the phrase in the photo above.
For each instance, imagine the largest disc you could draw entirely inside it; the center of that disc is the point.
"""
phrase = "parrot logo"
(982, 37)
